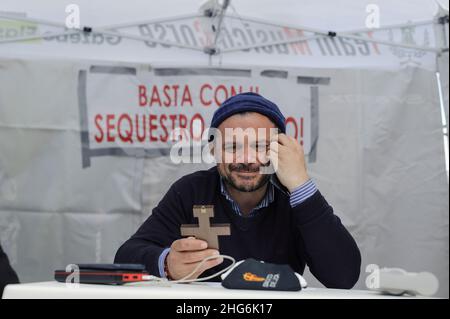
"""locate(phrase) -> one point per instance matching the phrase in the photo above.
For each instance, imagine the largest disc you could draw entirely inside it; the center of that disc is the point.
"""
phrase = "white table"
(56, 290)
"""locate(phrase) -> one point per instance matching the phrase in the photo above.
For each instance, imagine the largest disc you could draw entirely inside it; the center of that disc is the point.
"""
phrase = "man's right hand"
(185, 254)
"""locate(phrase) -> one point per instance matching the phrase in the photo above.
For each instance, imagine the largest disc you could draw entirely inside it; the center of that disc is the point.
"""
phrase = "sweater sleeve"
(7, 274)
(155, 234)
(328, 248)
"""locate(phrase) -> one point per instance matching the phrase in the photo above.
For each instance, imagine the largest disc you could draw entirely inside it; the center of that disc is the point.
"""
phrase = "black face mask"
(257, 275)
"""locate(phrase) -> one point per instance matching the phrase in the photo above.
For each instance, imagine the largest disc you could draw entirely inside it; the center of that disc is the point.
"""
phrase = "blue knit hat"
(249, 102)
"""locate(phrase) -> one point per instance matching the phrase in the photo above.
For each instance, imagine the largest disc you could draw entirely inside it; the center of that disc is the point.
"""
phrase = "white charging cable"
(186, 279)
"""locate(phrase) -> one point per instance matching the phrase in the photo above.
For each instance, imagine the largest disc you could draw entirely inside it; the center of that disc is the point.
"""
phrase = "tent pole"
(441, 35)
(145, 39)
(300, 27)
(294, 40)
(39, 36)
(102, 30)
(107, 30)
(223, 8)
(347, 34)
(113, 26)
(302, 39)
(33, 20)
(274, 24)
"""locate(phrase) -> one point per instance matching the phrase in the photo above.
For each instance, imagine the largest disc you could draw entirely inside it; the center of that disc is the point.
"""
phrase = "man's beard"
(233, 182)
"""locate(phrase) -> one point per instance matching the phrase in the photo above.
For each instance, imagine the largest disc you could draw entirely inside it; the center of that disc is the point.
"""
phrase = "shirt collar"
(265, 202)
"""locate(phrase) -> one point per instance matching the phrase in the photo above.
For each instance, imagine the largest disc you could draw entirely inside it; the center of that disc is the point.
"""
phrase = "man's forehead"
(247, 120)
(248, 126)
(249, 134)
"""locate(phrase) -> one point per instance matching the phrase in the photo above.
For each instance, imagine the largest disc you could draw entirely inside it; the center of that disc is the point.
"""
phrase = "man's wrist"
(302, 193)
(162, 261)
(301, 180)
(166, 269)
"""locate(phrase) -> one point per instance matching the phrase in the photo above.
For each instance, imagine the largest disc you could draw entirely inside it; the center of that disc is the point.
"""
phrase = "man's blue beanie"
(249, 102)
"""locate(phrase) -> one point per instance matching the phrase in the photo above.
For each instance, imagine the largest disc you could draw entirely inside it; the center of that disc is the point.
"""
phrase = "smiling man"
(276, 217)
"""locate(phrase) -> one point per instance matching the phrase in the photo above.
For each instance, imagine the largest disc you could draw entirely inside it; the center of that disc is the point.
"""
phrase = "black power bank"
(113, 274)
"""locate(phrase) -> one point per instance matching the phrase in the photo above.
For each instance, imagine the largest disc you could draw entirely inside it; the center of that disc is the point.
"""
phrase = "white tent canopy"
(369, 99)
(310, 18)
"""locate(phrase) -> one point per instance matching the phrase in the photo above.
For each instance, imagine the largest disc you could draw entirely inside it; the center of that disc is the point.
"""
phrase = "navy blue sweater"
(308, 233)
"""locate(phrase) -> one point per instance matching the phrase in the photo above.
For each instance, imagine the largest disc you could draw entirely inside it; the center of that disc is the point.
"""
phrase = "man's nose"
(247, 156)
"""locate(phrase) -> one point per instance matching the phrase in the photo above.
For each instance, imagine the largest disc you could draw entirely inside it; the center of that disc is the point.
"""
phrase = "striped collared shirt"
(267, 199)
(299, 195)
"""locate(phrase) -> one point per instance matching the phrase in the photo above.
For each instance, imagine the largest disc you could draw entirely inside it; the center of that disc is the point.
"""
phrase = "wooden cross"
(204, 230)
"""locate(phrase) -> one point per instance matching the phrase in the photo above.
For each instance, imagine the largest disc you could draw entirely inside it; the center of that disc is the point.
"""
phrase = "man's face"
(245, 140)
